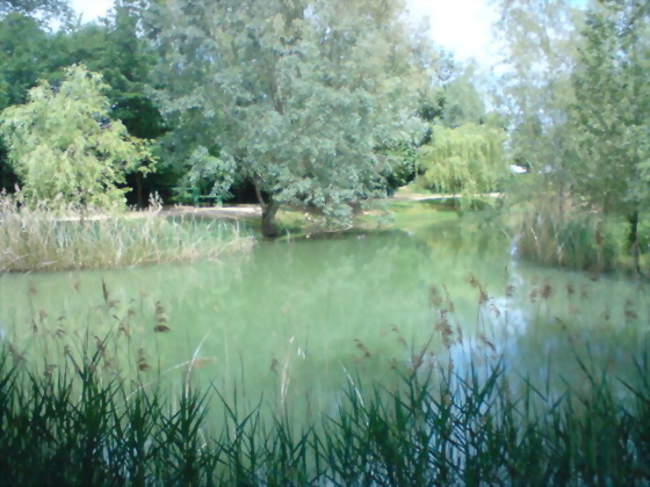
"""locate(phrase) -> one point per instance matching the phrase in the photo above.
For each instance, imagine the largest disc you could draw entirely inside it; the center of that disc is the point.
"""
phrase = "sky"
(461, 26)
(91, 9)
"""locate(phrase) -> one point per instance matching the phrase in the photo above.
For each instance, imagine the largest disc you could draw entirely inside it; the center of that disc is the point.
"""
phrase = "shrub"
(65, 148)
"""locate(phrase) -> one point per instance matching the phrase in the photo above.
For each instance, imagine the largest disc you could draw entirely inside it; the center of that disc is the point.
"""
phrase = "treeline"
(576, 92)
(312, 103)
(321, 104)
(39, 39)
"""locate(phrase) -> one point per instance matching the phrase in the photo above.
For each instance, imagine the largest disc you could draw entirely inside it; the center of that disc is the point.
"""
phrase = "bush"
(65, 148)
(468, 159)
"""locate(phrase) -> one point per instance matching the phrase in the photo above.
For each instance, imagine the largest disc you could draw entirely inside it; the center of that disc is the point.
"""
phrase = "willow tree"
(295, 95)
(468, 159)
(64, 147)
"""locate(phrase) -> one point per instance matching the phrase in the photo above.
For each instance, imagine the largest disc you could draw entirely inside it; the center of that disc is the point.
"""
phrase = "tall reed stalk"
(573, 239)
(38, 238)
(78, 426)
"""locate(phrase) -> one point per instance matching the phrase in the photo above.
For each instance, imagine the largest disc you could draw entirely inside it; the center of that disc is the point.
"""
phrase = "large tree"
(468, 159)
(540, 40)
(295, 95)
(578, 86)
(611, 115)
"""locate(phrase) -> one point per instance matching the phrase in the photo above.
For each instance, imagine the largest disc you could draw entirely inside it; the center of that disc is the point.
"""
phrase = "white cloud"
(462, 26)
(91, 9)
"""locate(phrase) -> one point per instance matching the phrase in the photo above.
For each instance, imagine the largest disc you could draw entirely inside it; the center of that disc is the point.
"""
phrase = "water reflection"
(294, 319)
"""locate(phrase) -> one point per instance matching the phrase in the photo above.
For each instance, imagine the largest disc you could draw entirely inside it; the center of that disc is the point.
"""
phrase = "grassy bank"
(73, 425)
(35, 239)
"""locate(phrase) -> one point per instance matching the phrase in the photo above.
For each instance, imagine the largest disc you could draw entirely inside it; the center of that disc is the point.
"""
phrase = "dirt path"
(233, 212)
(404, 196)
(237, 212)
(241, 211)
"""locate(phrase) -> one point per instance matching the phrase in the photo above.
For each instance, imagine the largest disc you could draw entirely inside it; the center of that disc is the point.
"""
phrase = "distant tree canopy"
(469, 159)
(64, 146)
(26, 54)
(579, 102)
(294, 95)
(47, 9)
(461, 101)
(611, 115)
(30, 51)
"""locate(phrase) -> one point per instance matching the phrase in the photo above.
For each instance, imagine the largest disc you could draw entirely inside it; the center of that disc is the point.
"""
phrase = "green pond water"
(294, 320)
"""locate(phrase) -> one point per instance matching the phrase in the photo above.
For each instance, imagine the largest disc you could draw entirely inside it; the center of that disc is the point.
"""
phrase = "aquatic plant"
(36, 238)
(74, 426)
(577, 240)
(84, 400)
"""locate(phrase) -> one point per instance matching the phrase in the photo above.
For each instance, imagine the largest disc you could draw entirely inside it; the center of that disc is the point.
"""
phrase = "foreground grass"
(74, 426)
(35, 239)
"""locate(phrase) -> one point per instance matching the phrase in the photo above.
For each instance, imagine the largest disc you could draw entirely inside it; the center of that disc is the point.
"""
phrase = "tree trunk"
(633, 240)
(269, 209)
(269, 228)
(139, 189)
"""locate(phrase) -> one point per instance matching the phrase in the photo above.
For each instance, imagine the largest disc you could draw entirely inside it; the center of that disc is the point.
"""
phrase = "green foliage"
(116, 49)
(45, 9)
(535, 90)
(27, 53)
(577, 93)
(296, 96)
(81, 422)
(469, 159)
(612, 110)
(64, 147)
(461, 101)
(612, 113)
(24, 56)
(30, 51)
(400, 165)
(583, 241)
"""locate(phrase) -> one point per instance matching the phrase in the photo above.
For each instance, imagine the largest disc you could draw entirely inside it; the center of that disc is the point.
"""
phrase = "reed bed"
(566, 235)
(580, 241)
(36, 238)
(75, 425)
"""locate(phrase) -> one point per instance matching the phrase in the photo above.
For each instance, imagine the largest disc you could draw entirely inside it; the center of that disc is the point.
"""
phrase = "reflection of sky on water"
(313, 308)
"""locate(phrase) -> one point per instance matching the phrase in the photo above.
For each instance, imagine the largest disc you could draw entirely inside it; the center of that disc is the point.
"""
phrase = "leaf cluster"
(65, 147)
(294, 96)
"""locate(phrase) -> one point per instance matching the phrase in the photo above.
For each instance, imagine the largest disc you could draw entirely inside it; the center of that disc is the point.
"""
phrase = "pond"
(295, 320)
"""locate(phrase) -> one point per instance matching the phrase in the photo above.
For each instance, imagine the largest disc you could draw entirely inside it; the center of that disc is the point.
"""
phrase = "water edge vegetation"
(38, 238)
(75, 425)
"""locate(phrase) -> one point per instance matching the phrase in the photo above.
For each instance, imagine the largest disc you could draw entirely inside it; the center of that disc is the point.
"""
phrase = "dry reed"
(37, 238)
